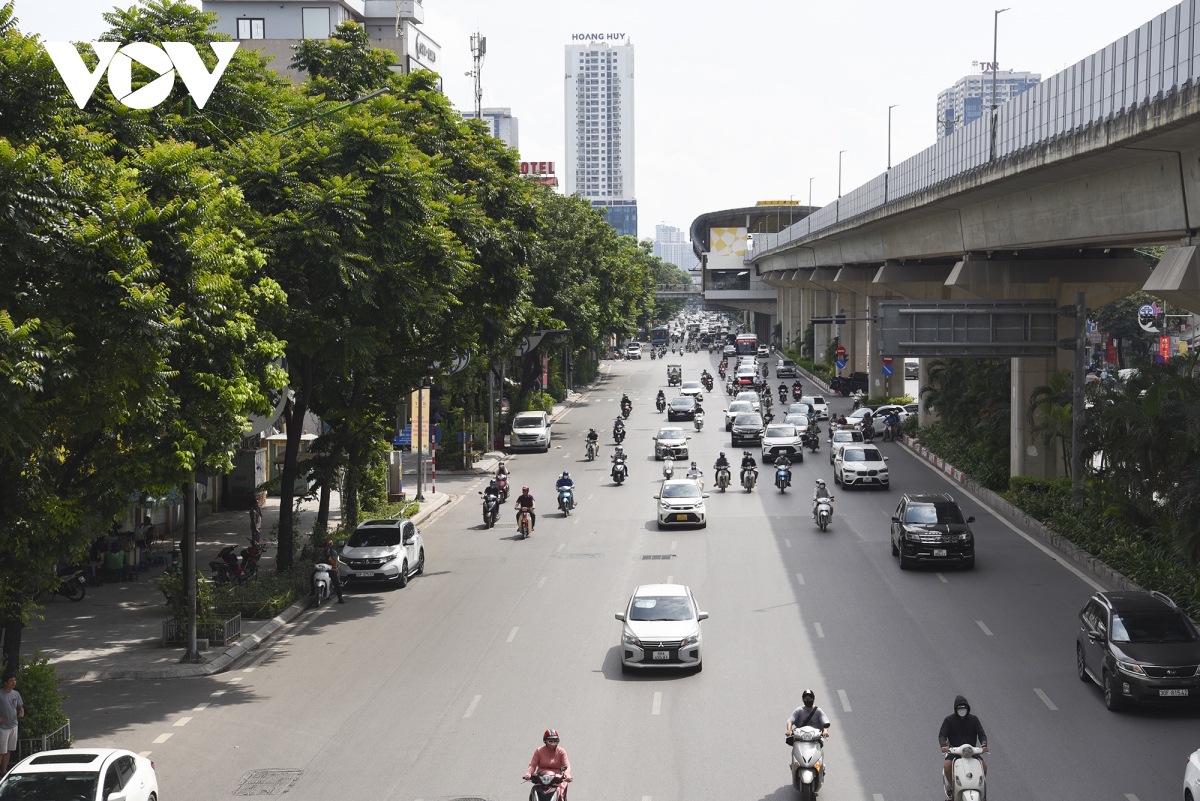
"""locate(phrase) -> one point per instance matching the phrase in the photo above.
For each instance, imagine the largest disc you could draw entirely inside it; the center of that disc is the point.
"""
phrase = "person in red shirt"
(550, 757)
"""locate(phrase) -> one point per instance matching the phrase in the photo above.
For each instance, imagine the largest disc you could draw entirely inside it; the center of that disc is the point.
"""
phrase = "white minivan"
(530, 431)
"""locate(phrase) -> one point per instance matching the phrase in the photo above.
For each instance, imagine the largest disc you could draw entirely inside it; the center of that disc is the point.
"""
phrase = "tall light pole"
(995, 69)
(840, 152)
(890, 133)
(810, 180)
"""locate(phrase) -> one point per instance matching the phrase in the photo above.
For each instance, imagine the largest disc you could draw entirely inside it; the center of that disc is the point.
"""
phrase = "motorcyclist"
(748, 463)
(809, 715)
(328, 556)
(492, 490)
(820, 492)
(566, 482)
(722, 463)
(660, 400)
(626, 403)
(892, 421)
(783, 388)
(697, 475)
(593, 438)
(550, 757)
(783, 460)
(961, 728)
(765, 369)
(525, 499)
(797, 388)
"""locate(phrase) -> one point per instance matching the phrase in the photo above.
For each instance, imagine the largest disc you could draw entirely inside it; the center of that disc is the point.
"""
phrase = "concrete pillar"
(1028, 454)
(926, 418)
(825, 304)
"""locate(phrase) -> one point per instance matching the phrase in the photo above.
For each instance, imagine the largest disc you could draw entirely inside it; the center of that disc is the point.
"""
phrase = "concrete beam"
(915, 282)
(824, 277)
(1104, 279)
(1176, 279)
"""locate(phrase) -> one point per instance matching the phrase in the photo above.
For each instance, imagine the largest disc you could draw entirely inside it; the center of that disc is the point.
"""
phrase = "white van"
(530, 431)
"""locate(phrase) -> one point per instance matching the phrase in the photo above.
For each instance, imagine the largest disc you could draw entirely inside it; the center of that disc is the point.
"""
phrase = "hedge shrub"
(38, 685)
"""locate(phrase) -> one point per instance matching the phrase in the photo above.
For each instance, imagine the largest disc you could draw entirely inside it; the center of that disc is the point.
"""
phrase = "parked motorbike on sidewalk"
(322, 582)
(72, 583)
(250, 557)
(808, 768)
(491, 510)
(970, 782)
(225, 568)
(824, 512)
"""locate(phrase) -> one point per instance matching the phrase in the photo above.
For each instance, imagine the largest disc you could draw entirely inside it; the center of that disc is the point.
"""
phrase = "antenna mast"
(478, 51)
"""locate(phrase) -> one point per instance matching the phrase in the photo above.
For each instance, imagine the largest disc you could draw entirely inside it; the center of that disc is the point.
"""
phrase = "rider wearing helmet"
(525, 499)
(721, 462)
(808, 715)
(592, 436)
(550, 757)
(819, 492)
(695, 474)
(492, 489)
(748, 463)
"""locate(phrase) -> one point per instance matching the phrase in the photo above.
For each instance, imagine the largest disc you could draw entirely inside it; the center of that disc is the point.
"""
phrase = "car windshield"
(799, 408)
(933, 513)
(740, 406)
(748, 420)
(528, 422)
(687, 490)
(682, 403)
(381, 537)
(787, 363)
(670, 433)
(670, 607)
(847, 436)
(781, 431)
(1151, 626)
(65, 786)
(691, 385)
(860, 455)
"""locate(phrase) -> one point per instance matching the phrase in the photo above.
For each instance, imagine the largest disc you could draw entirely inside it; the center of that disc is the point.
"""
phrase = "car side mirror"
(620, 616)
(702, 616)
(705, 495)
(887, 458)
(656, 497)
(970, 520)
(1096, 637)
(895, 519)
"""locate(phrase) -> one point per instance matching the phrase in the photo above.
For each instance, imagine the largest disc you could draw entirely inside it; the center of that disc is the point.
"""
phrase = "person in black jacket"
(961, 728)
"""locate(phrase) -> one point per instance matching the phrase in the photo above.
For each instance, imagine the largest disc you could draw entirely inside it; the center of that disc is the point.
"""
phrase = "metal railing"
(663, 289)
(59, 738)
(1152, 62)
(220, 632)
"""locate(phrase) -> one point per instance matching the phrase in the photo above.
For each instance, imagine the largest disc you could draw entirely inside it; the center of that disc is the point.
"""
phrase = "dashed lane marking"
(248, 670)
(218, 693)
(235, 681)
(182, 722)
(145, 753)
(941, 578)
(512, 634)
(1045, 699)
(562, 545)
(162, 738)
(876, 796)
(200, 707)
(674, 544)
(657, 706)
(983, 626)
(799, 578)
(845, 701)
(788, 543)
(542, 582)
(1130, 797)
(670, 579)
(474, 703)
(820, 631)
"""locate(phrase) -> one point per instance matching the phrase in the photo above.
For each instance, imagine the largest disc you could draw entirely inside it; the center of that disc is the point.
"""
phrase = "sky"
(736, 102)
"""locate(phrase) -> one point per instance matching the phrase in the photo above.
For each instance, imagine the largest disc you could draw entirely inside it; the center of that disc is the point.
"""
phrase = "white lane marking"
(471, 708)
(1045, 699)
(145, 753)
(182, 722)
(799, 578)
(162, 738)
(674, 543)
(218, 693)
(562, 545)
(1130, 797)
(941, 578)
(593, 495)
(512, 634)
(647, 798)
(845, 701)
(670, 579)
(657, 707)
(200, 707)
(876, 796)
(983, 626)
(248, 670)
(820, 631)
(235, 681)
(1040, 546)
(788, 543)
(542, 582)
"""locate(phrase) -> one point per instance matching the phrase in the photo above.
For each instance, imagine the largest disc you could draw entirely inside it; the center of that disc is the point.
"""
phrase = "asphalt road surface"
(441, 690)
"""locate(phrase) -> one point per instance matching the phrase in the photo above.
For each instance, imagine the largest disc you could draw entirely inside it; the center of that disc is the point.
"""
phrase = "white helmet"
(820, 482)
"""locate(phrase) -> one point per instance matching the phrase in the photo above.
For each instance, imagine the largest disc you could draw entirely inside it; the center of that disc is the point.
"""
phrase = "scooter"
(250, 557)
(970, 782)
(783, 477)
(72, 583)
(322, 583)
(625, 410)
(824, 512)
(502, 482)
(591, 450)
(868, 432)
(698, 420)
(797, 393)
(619, 434)
(524, 522)
(548, 786)
(782, 393)
(566, 501)
(619, 471)
(225, 568)
(811, 440)
(491, 510)
(808, 770)
(653, 354)
(749, 480)
(668, 468)
(661, 404)
(722, 478)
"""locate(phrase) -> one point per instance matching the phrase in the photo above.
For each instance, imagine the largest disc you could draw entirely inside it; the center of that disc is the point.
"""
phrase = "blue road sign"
(887, 370)
(841, 363)
(405, 437)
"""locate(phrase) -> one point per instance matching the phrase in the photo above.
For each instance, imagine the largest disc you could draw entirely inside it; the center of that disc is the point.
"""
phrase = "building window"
(250, 29)
(316, 23)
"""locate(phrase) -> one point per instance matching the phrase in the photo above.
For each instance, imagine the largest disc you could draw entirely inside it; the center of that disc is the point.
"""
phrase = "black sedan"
(682, 408)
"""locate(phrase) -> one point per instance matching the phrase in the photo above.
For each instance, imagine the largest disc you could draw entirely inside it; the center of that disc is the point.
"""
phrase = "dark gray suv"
(1140, 648)
(930, 529)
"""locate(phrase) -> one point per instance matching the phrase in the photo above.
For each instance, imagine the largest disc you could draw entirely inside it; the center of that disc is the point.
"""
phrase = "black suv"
(930, 529)
(1140, 648)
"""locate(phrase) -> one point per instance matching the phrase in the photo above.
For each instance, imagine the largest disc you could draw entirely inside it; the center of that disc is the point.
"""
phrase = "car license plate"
(681, 517)
(1173, 693)
(939, 551)
(364, 575)
(662, 655)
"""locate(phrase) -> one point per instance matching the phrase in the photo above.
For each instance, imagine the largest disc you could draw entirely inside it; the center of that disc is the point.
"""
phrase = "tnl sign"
(118, 61)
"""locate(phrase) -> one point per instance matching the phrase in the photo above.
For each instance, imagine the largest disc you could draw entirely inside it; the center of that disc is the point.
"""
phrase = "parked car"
(782, 438)
(785, 368)
(860, 466)
(89, 774)
(843, 436)
(530, 431)
(662, 629)
(681, 408)
(670, 442)
(913, 409)
(735, 408)
(747, 427)
(383, 550)
(930, 528)
(1140, 648)
(633, 350)
(692, 388)
(912, 368)
(681, 503)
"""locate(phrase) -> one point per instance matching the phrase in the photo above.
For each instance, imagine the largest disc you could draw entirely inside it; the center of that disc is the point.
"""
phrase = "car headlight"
(913, 536)
(965, 536)
(1131, 668)
(629, 639)
(389, 558)
(692, 640)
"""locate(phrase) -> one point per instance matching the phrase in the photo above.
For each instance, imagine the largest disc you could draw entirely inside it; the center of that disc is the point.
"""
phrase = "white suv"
(383, 550)
(860, 466)
(1191, 778)
(530, 430)
(633, 351)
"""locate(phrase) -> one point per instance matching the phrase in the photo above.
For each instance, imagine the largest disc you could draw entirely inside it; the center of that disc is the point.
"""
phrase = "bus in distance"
(747, 344)
(660, 335)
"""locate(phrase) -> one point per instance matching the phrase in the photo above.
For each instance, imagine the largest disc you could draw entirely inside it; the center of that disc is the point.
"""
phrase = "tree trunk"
(350, 487)
(13, 630)
(294, 414)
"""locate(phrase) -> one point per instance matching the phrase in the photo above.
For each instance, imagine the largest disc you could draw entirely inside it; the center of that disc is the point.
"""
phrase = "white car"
(692, 388)
(1191, 778)
(735, 408)
(842, 436)
(782, 438)
(87, 774)
(800, 421)
(745, 375)
(633, 351)
(530, 430)
(681, 503)
(750, 397)
(801, 407)
(763, 351)
(818, 403)
(662, 629)
(860, 466)
(383, 550)
(671, 442)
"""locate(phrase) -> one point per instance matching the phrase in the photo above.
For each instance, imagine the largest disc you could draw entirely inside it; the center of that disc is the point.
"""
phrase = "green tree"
(1051, 414)
(345, 65)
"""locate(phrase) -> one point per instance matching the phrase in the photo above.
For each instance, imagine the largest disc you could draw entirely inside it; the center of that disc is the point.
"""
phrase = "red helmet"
(550, 734)
(524, 489)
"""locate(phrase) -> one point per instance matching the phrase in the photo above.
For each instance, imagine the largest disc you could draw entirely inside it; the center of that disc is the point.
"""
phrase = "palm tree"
(1051, 413)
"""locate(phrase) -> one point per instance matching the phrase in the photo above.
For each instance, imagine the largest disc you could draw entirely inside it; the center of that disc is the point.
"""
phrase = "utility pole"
(840, 152)
(478, 51)
(189, 548)
(995, 69)
(1078, 405)
(890, 134)
(810, 180)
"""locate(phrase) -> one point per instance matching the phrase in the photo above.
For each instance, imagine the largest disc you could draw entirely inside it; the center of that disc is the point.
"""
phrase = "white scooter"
(322, 582)
(808, 769)
(698, 420)
(668, 468)
(970, 782)
(824, 512)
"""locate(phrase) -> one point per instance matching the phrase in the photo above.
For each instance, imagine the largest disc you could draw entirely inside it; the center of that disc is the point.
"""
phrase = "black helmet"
(804, 696)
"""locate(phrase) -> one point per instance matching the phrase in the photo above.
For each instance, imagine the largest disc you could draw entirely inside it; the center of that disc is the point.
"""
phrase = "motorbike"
(72, 583)
(491, 509)
(708, 383)
(722, 478)
(250, 557)
(782, 394)
(858, 399)
(502, 482)
(548, 786)
(566, 500)
(729, 386)
(797, 394)
(225, 568)
(766, 399)
(525, 522)
(868, 432)
(783, 477)
(970, 782)
(749, 480)
(661, 403)
(698, 420)
(619, 470)
(591, 450)
(721, 371)
(322, 583)
(668, 468)
(765, 369)
(625, 410)
(808, 770)
(619, 434)
(824, 512)
(653, 354)
(890, 431)
(811, 440)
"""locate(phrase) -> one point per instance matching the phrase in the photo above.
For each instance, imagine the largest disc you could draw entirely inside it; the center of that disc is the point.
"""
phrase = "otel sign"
(166, 60)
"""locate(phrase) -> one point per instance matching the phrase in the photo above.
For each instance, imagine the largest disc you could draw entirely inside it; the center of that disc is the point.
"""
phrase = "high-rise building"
(599, 126)
(502, 123)
(971, 97)
(672, 246)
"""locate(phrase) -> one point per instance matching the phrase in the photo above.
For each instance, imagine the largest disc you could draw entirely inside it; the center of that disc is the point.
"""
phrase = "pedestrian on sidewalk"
(11, 709)
(256, 521)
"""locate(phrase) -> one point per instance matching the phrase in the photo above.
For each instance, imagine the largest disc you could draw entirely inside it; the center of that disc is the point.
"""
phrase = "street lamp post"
(890, 134)
(995, 69)
(840, 152)
(810, 180)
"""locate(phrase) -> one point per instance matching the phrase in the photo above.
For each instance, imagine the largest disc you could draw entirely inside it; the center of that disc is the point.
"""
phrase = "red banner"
(1112, 351)
(1164, 349)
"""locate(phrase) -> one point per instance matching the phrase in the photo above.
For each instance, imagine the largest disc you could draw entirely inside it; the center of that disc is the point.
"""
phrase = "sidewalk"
(116, 631)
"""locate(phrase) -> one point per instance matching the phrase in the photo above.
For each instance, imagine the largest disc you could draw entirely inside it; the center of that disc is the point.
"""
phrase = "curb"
(1023, 521)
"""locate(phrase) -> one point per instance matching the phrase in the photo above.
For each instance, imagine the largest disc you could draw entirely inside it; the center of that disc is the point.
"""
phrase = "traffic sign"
(887, 359)
(841, 363)
(887, 371)
(841, 351)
